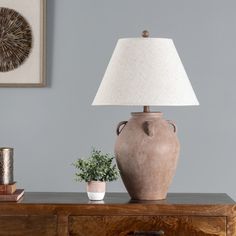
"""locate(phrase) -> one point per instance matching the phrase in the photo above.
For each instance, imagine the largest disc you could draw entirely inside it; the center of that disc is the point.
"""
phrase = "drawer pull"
(147, 233)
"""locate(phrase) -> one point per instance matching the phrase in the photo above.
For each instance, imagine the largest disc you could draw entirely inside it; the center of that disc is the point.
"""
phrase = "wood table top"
(123, 198)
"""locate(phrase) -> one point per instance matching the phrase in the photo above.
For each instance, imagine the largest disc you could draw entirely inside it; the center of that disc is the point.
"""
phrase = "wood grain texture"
(66, 214)
(62, 224)
(27, 225)
(231, 226)
(127, 225)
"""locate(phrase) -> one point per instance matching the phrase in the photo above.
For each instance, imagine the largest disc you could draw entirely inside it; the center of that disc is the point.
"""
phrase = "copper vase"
(147, 150)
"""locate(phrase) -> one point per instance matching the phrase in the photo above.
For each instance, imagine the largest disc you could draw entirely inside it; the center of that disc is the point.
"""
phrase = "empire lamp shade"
(145, 72)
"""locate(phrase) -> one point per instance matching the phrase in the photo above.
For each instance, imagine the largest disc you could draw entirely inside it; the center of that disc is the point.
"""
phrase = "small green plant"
(97, 167)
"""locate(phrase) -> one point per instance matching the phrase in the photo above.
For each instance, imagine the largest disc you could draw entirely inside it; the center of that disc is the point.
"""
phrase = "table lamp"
(146, 72)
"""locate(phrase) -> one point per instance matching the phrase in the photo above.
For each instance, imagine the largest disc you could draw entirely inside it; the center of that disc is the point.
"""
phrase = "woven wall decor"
(15, 39)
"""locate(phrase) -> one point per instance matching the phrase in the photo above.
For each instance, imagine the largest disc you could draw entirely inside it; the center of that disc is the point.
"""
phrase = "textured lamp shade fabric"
(145, 71)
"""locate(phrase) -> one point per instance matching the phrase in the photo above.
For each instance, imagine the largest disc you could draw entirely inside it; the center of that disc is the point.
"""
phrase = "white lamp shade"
(145, 72)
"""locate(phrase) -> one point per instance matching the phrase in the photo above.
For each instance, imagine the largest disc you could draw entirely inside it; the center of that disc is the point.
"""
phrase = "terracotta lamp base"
(147, 150)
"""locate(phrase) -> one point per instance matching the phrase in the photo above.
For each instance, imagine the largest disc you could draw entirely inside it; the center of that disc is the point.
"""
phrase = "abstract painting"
(22, 43)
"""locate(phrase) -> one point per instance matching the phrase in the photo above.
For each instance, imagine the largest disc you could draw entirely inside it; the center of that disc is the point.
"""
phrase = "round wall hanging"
(15, 39)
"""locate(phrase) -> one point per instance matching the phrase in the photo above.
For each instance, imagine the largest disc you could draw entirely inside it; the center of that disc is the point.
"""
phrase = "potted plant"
(96, 170)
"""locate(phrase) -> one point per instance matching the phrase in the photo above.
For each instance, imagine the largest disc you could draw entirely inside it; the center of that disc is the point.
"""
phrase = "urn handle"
(120, 127)
(172, 123)
(148, 128)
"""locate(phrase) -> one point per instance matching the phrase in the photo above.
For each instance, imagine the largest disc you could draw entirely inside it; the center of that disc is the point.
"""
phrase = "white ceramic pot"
(96, 190)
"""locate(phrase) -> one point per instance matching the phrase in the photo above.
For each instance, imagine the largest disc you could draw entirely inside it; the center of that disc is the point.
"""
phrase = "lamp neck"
(146, 109)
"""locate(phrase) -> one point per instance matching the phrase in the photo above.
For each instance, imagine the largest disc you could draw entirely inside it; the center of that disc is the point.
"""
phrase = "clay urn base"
(96, 190)
(147, 150)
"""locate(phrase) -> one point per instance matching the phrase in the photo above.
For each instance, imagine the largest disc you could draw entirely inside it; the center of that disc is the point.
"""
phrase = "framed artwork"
(22, 43)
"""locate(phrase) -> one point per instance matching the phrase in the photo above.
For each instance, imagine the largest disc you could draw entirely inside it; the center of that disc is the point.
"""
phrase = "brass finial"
(145, 34)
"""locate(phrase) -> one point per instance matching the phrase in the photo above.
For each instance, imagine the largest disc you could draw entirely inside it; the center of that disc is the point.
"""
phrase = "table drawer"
(147, 225)
(28, 225)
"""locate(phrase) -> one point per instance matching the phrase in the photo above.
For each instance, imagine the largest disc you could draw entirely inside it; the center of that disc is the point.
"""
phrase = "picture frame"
(23, 55)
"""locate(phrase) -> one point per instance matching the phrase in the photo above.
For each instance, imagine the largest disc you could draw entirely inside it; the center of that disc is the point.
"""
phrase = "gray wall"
(50, 127)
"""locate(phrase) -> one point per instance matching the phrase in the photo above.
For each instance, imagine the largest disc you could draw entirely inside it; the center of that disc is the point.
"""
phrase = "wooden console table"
(62, 214)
